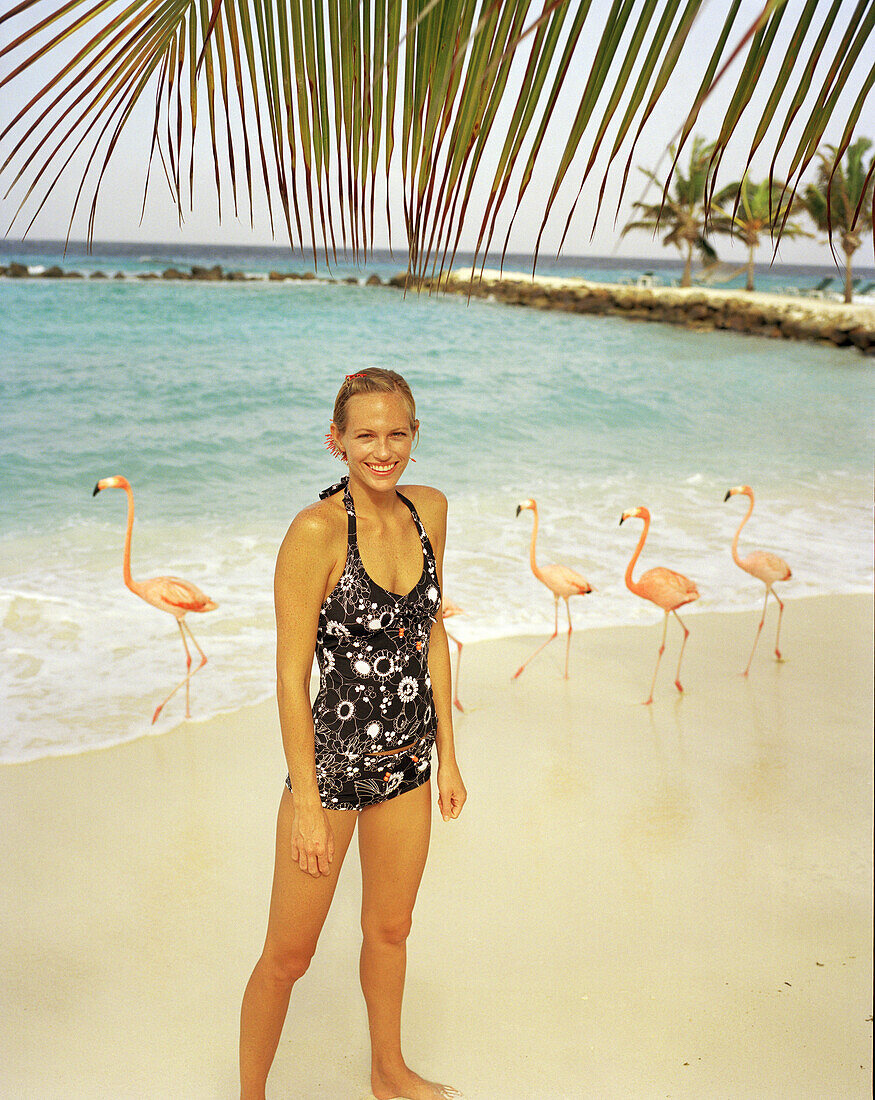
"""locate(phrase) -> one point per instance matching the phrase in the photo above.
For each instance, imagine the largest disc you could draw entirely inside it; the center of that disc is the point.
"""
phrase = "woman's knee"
(284, 965)
(391, 931)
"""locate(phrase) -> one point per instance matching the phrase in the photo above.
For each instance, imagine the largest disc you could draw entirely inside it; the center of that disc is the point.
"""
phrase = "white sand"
(636, 903)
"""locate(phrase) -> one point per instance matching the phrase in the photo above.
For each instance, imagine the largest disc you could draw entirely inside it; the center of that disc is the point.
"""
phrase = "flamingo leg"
(759, 631)
(648, 701)
(189, 673)
(550, 639)
(568, 639)
(778, 635)
(456, 702)
(677, 682)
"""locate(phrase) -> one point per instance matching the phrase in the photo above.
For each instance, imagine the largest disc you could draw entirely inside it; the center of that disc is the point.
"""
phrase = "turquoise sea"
(213, 400)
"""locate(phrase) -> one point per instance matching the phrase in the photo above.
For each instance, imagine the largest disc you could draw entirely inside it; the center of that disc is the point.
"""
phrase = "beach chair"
(818, 291)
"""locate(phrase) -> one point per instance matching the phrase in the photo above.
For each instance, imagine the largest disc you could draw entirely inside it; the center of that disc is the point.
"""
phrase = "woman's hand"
(451, 790)
(312, 840)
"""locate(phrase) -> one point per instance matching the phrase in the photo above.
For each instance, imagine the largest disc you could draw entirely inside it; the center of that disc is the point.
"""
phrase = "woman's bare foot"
(404, 1084)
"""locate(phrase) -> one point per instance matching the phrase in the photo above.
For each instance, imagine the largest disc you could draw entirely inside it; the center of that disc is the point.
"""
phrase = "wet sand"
(671, 901)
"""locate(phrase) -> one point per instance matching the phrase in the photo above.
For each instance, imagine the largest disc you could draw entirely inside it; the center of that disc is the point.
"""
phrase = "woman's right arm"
(304, 564)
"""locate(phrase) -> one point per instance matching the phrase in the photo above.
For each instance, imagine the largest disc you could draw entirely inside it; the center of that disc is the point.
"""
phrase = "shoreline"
(672, 900)
(701, 309)
(518, 639)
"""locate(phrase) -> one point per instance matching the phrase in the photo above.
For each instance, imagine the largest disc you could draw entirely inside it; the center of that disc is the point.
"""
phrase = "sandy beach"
(637, 902)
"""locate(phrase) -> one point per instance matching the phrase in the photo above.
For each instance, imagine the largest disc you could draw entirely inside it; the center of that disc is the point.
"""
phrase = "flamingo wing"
(766, 567)
(666, 588)
(175, 595)
(565, 582)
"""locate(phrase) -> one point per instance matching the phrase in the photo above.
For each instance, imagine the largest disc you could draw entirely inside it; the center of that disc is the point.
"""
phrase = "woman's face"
(377, 439)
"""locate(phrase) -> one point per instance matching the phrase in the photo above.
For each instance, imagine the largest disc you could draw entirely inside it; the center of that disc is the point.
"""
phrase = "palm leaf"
(319, 93)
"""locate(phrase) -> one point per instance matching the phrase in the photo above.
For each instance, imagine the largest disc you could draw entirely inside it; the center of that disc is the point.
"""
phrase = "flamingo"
(766, 567)
(448, 610)
(561, 581)
(169, 594)
(665, 588)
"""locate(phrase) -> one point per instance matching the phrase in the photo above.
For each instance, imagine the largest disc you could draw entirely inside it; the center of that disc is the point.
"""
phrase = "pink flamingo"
(561, 581)
(665, 588)
(766, 567)
(448, 610)
(170, 594)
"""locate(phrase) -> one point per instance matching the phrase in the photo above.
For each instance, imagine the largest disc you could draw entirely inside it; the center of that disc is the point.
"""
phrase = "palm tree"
(313, 103)
(683, 213)
(751, 209)
(841, 199)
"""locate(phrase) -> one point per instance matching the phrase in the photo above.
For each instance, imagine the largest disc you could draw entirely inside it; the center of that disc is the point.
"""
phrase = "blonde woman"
(358, 583)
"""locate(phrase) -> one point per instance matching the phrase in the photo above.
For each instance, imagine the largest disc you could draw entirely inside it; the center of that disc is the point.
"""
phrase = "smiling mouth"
(383, 468)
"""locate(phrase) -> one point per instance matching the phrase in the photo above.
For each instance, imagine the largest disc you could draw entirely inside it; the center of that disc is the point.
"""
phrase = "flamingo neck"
(633, 561)
(126, 559)
(532, 561)
(735, 556)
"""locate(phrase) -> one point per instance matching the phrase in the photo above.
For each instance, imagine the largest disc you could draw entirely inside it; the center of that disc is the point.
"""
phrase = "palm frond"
(305, 103)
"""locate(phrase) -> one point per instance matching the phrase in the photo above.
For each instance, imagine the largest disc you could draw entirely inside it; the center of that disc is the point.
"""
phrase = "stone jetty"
(787, 317)
(198, 274)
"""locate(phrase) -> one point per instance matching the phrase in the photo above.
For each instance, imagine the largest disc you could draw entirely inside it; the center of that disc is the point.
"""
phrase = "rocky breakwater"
(700, 308)
(198, 274)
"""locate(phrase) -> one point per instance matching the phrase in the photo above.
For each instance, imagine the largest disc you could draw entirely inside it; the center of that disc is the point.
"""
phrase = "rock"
(97, 275)
(17, 271)
(373, 280)
(73, 275)
(236, 277)
(207, 274)
(147, 275)
(308, 276)
(277, 276)
(172, 273)
(862, 338)
(351, 280)
(119, 275)
(53, 272)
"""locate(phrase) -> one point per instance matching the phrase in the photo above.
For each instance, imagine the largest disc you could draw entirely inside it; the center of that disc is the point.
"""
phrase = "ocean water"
(213, 400)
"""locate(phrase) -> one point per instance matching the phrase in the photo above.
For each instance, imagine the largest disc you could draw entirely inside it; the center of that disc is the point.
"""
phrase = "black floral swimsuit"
(375, 691)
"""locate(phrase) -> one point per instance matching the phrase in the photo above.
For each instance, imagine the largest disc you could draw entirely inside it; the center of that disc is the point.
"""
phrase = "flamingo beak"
(728, 495)
(96, 489)
(622, 517)
(518, 509)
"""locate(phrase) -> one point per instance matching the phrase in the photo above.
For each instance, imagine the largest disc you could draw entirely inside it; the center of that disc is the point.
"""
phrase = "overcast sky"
(118, 215)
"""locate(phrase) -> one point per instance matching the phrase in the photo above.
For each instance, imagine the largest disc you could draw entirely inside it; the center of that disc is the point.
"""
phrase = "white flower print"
(383, 664)
(407, 689)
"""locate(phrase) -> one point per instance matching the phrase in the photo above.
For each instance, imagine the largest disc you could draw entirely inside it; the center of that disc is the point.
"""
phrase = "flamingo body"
(763, 565)
(664, 587)
(170, 594)
(174, 595)
(766, 567)
(562, 582)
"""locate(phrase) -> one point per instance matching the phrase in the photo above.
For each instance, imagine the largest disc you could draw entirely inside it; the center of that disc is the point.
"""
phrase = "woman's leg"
(393, 844)
(298, 907)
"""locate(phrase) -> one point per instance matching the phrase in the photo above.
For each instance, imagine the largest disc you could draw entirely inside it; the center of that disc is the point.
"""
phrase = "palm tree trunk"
(849, 284)
(687, 277)
(750, 268)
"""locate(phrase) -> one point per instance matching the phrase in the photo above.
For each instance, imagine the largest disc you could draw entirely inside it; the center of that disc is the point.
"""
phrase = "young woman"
(358, 582)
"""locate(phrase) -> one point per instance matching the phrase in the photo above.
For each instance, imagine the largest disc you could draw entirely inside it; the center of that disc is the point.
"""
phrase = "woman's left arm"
(451, 789)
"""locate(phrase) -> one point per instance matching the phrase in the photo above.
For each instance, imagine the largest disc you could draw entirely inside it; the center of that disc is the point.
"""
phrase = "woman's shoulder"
(431, 507)
(316, 527)
(427, 500)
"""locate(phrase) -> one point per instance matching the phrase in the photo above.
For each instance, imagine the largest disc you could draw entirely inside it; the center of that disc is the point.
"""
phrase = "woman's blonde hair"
(371, 380)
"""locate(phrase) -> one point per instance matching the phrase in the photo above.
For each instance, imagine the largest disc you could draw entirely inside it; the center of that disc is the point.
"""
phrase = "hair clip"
(355, 376)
